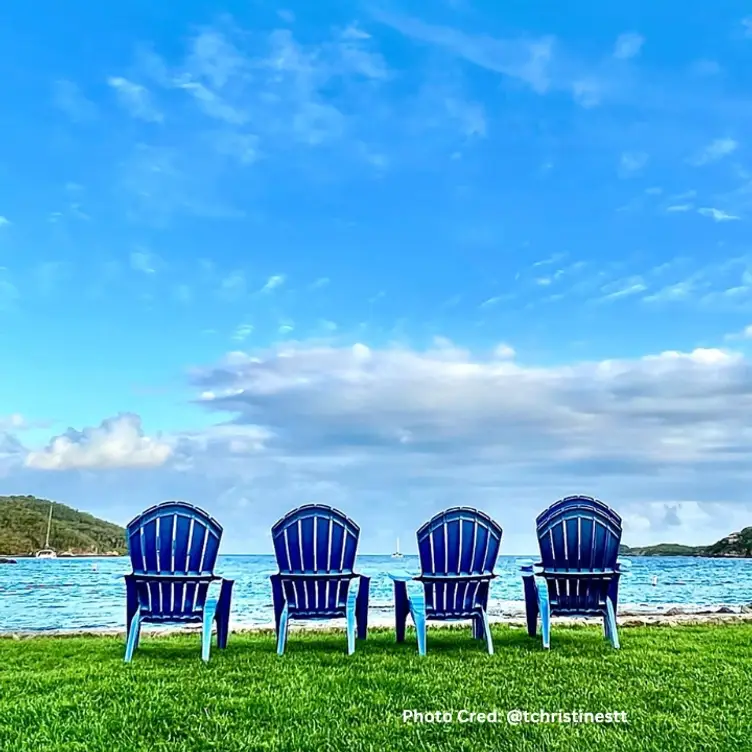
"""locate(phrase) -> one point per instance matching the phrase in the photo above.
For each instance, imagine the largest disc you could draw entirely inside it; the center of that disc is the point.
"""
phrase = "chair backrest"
(173, 538)
(458, 549)
(315, 538)
(459, 541)
(579, 532)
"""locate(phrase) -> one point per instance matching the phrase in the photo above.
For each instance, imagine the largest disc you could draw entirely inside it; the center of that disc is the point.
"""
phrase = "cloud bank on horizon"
(392, 259)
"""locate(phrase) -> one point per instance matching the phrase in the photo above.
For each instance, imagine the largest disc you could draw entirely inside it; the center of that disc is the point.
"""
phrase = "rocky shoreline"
(673, 617)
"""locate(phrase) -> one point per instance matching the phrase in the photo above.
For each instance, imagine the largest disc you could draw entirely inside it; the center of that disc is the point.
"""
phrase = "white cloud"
(623, 288)
(277, 280)
(242, 332)
(117, 443)
(527, 60)
(470, 116)
(677, 291)
(233, 285)
(144, 262)
(679, 208)
(13, 422)
(715, 151)
(136, 99)
(717, 215)
(392, 435)
(504, 351)
(4, 221)
(69, 98)
(628, 45)
(632, 162)
(671, 408)
(320, 282)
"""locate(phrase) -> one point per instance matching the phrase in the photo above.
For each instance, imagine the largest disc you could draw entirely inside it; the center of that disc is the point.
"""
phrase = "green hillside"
(736, 545)
(23, 526)
(663, 549)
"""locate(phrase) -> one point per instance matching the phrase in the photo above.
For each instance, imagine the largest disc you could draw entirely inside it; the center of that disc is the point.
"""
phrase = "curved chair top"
(173, 537)
(579, 532)
(315, 538)
(459, 541)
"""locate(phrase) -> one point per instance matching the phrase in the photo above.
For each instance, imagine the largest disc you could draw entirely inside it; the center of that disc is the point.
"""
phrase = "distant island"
(734, 546)
(23, 526)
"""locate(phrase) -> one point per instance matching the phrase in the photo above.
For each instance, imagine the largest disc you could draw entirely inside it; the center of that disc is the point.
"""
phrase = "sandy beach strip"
(673, 617)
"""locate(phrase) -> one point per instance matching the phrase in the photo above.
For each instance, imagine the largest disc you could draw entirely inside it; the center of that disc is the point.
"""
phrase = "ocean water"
(83, 594)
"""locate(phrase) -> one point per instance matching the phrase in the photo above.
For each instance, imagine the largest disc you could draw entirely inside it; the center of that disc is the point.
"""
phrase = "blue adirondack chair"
(458, 550)
(579, 569)
(173, 548)
(315, 546)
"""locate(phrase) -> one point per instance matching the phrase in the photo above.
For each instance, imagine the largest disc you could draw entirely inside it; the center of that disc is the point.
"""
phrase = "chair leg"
(361, 607)
(544, 608)
(351, 628)
(401, 610)
(282, 630)
(134, 630)
(612, 635)
(487, 632)
(210, 612)
(531, 604)
(223, 613)
(418, 612)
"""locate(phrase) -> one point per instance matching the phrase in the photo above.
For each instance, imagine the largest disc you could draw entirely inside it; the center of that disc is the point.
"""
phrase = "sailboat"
(397, 553)
(47, 552)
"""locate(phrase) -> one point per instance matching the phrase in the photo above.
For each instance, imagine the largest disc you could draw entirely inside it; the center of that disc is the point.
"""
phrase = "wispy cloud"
(494, 301)
(714, 151)
(182, 293)
(275, 281)
(144, 262)
(233, 285)
(679, 208)
(319, 283)
(747, 26)
(4, 221)
(524, 59)
(242, 332)
(718, 215)
(135, 99)
(623, 288)
(677, 291)
(628, 45)
(632, 162)
(69, 98)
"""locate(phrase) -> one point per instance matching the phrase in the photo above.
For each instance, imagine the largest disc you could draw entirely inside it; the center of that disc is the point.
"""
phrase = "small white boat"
(397, 554)
(47, 552)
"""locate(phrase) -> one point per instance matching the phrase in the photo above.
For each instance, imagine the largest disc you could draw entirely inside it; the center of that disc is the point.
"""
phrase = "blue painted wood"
(458, 549)
(315, 546)
(173, 549)
(579, 570)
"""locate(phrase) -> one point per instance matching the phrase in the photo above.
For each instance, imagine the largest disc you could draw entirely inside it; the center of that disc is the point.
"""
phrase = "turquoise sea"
(74, 594)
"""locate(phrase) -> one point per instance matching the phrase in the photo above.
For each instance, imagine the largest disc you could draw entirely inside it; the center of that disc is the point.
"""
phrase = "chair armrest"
(400, 576)
(171, 577)
(529, 567)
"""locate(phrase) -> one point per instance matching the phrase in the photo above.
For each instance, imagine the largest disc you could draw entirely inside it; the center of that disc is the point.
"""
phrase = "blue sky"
(392, 257)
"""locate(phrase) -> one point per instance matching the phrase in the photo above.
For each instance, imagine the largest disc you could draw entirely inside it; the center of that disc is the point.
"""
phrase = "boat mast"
(49, 524)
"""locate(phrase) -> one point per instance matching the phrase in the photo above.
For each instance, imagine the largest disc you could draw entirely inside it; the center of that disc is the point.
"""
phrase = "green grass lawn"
(685, 688)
